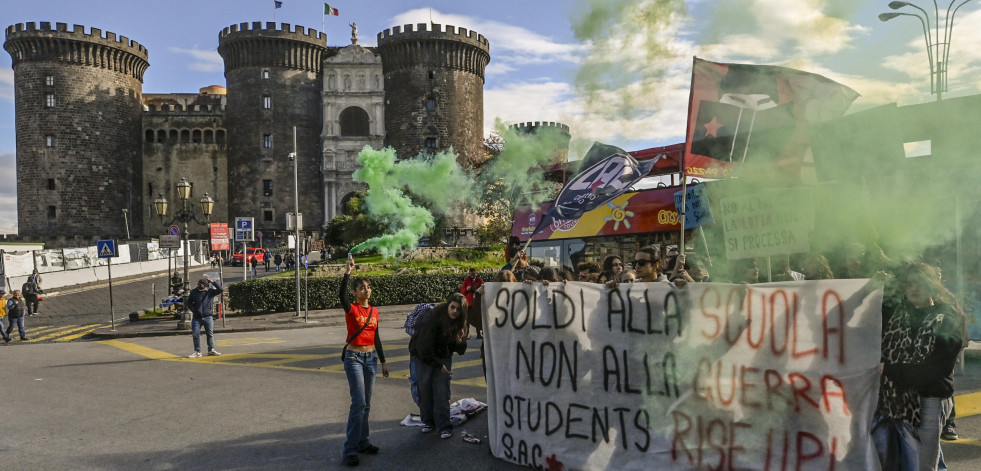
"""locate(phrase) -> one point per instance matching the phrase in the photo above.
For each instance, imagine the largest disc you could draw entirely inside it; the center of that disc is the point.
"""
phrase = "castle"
(94, 151)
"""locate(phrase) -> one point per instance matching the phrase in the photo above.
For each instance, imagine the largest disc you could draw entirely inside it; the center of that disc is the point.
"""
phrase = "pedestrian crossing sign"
(107, 248)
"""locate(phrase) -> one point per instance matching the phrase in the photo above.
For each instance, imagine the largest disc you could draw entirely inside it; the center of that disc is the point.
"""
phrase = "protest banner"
(776, 376)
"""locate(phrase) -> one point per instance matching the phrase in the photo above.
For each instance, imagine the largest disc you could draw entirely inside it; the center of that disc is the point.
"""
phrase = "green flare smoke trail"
(434, 179)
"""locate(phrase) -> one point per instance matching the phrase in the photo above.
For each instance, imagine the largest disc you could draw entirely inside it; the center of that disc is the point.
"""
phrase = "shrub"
(279, 294)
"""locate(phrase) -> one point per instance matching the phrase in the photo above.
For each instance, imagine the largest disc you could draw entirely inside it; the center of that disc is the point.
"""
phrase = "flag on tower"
(278, 3)
(330, 11)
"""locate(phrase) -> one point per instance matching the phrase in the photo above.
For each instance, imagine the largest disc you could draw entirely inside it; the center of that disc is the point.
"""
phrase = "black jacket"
(934, 376)
(16, 308)
(430, 344)
(200, 301)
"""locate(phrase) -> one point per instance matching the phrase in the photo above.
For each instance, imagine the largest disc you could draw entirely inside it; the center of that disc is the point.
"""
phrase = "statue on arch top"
(354, 33)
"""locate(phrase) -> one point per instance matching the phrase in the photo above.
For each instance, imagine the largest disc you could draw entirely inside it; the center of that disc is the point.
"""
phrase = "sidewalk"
(164, 326)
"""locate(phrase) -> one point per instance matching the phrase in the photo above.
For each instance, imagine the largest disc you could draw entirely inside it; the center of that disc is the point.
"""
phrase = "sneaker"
(195, 355)
(369, 450)
(427, 428)
(25, 338)
(213, 353)
(949, 433)
(351, 460)
(445, 434)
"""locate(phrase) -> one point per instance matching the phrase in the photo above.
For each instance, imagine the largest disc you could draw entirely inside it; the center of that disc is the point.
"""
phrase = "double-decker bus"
(630, 221)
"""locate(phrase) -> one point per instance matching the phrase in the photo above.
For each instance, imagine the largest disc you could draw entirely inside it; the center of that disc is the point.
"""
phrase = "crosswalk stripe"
(83, 333)
(41, 329)
(60, 331)
(968, 404)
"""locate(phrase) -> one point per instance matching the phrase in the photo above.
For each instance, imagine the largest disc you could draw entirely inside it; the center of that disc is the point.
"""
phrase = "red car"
(257, 253)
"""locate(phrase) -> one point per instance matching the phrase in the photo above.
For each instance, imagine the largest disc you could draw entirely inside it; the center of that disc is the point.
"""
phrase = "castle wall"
(103, 147)
(77, 97)
(284, 65)
(188, 142)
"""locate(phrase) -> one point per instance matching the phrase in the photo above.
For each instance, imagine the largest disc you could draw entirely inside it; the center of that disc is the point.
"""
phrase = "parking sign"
(243, 229)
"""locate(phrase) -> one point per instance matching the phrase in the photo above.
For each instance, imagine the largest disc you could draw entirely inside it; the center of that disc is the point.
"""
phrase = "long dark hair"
(452, 327)
(928, 277)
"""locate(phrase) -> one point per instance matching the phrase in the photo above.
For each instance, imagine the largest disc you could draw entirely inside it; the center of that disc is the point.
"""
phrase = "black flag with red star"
(755, 114)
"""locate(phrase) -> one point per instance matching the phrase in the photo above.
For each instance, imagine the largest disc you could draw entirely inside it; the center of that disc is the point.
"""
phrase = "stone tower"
(274, 79)
(533, 128)
(434, 90)
(78, 99)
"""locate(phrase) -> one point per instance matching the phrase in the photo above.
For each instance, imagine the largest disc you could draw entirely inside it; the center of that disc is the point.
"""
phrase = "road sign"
(107, 248)
(243, 229)
(219, 236)
(174, 231)
(258, 234)
(168, 241)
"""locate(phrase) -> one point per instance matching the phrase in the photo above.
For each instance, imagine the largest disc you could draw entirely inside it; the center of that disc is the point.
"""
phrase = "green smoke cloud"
(434, 179)
(517, 170)
(615, 83)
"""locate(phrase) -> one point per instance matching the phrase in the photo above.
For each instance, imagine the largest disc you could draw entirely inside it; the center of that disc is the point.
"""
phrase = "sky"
(615, 71)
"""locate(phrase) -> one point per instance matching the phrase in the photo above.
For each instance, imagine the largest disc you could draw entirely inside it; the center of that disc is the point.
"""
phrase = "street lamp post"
(938, 52)
(184, 215)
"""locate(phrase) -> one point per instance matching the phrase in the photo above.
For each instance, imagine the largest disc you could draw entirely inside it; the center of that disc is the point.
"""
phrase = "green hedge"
(279, 294)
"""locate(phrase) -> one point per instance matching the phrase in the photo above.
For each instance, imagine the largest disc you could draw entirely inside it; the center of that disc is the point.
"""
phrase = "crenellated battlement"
(256, 29)
(78, 32)
(433, 31)
(252, 45)
(532, 126)
(408, 47)
(34, 42)
(181, 109)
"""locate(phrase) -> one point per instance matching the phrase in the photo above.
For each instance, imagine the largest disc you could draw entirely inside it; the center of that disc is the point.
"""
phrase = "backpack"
(415, 316)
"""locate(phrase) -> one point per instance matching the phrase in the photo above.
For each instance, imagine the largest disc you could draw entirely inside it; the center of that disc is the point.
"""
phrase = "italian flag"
(329, 10)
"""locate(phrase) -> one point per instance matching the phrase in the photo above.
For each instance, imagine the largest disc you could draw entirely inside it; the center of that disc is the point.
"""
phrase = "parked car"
(258, 253)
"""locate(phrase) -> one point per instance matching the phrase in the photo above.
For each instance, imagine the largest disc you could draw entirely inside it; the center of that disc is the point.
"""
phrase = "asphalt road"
(71, 314)
(273, 400)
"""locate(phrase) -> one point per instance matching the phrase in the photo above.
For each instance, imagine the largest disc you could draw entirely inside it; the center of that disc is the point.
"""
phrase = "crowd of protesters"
(923, 327)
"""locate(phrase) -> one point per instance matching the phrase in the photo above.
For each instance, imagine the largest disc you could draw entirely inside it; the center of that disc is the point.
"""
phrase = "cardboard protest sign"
(771, 222)
(777, 376)
(697, 209)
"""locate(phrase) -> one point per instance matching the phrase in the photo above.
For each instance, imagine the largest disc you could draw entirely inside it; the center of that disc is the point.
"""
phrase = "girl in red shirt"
(363, 353)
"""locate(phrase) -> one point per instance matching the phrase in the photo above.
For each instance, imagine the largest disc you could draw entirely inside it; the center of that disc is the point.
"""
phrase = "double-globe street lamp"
(184, 215)
(938, 52)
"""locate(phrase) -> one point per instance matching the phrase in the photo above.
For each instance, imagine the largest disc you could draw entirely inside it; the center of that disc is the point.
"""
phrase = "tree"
(353, 226)
(495, 231)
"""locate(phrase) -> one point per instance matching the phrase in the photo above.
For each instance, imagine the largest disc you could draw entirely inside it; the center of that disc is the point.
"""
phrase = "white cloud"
(8, 195)
(497, 68)
(6, 84)
(510, 44)
(207, 60)
(549, 100)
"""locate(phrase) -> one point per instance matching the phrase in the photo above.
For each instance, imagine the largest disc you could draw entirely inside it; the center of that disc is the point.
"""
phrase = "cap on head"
(204, 281)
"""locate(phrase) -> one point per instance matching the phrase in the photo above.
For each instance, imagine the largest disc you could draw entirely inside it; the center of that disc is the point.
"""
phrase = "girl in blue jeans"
(920, 342)
(361, 357)
(438, 335)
